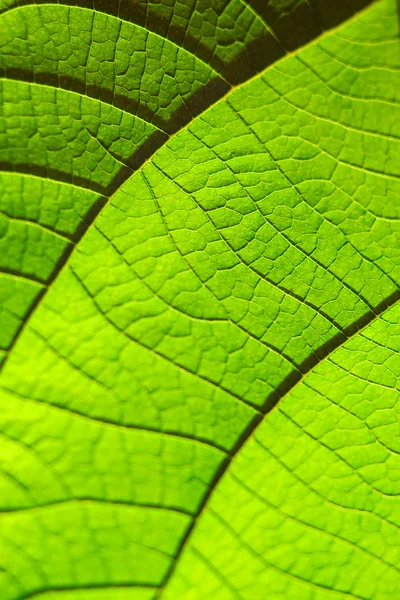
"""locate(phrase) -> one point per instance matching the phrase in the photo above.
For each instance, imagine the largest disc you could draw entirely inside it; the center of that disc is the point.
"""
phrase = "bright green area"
(309, 508)
(113, 462)
(259, 233)
(87, 544)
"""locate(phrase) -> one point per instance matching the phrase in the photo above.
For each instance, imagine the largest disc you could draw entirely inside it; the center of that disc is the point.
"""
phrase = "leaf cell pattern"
(199, 285)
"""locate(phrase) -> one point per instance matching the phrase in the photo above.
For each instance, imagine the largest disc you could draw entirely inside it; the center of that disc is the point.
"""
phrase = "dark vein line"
(24, 276)
(211, 567)
(70, 85)
(9, 169)
(300, 195)
(33, 453)
(150, 289)
(354, 415)
(228, 319)
(164, 433)
(282, 390)
(173, 242)
(16, 482)
(348, 240)
(270, 565)
(346, 126)
(353, 469)
(375, 342)
(54, 176)
(324, 499)
(313, 528)
(361, 378)
(159, 355)
(342, 94)
(262, 277)
(34, 564)
(391, 69)
(82, 588)
(90, 501)
(68, 238)
(278, 286)
(80, 370)
(267, 345)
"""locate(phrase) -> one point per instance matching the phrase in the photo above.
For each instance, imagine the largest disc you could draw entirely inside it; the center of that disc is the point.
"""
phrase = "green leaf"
(199, 300)
(309, 507)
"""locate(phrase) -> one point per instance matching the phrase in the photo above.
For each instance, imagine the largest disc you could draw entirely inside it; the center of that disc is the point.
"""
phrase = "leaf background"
(168, 280)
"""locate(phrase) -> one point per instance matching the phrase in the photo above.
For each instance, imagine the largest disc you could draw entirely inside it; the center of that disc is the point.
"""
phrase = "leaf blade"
(149, 316)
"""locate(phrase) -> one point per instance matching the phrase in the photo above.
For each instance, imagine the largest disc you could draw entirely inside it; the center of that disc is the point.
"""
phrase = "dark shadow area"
(398, 14)
(253, 59)
(293, 28)
(331, 13)
(85, 223)
(200, 101)
(304, 21)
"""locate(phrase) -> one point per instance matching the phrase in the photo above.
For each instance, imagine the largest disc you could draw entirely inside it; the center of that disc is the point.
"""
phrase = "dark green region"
(237, 39)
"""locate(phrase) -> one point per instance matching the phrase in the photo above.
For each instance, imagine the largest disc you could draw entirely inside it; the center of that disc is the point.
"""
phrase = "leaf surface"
(199, 379)
(309, 506)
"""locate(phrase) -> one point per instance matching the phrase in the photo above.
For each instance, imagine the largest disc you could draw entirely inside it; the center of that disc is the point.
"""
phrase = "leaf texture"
(198, 293)
(309, 507)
